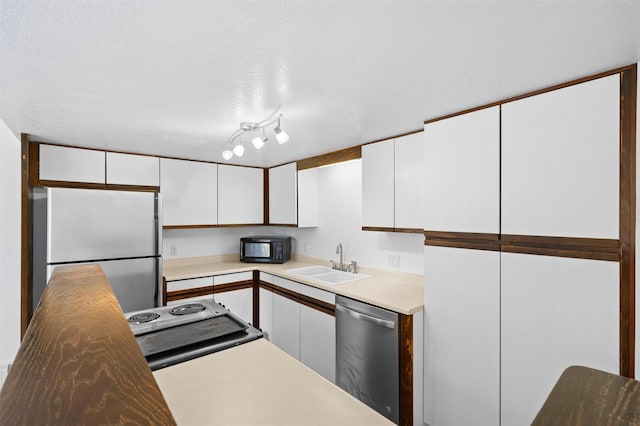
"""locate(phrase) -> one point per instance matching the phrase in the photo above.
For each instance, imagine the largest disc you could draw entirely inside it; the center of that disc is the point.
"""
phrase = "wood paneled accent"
(628, 111)
(346, 154)
(256, 298)
(378, 229)
(189, 226)
(399, 230)
(164, 291)
(579, 248)
(238, 285)
(395, 137)
(591, 397)
(79, 363)
(26, 165)
(316, 304)
(265, 197)
(406, 369)
(189, 292)
(468, 240)
(102, 186)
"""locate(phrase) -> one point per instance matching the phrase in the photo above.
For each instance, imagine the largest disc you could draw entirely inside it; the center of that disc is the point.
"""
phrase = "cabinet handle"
(365, 317)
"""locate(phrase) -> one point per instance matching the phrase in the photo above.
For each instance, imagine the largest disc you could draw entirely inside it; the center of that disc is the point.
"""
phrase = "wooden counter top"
(79, 362)
(398, 291)
(258, 384)
(585, 396)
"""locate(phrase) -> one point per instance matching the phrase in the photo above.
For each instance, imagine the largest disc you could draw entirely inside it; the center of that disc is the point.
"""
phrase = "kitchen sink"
(326, 274)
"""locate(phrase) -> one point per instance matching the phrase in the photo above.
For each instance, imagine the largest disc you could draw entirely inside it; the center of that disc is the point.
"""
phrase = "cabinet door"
(240, 302)
(409, 181)
(189, 195)
(461, 337)
(308, 204)
(240, 195)
(560, 162)
(377, 184)
(318, 335)
(556, 312)
(286, 320)
(462, 173)
(128, 169)
(71, 164)
(283, 202)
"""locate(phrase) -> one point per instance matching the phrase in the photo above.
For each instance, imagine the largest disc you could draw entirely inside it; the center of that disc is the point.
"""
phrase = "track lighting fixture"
(235, 144)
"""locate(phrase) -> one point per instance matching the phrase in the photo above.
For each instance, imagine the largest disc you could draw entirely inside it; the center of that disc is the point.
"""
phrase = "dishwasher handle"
(365, 317)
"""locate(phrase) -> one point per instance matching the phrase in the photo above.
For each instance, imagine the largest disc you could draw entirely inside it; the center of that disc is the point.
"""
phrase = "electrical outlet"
(305, 248)
(394, 261)
(173, 250)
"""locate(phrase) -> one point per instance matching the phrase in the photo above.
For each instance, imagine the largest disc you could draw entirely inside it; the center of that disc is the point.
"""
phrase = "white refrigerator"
(119, 230)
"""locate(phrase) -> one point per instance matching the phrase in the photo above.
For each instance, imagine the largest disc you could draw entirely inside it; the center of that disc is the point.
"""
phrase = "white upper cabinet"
(128, 169)
(556, 312)
(409, 181)
(462, 173)
(71, 164)
(308, 205)
(189, 194)
(560, 162)
(240, 195)
(283, 202)
(378, 184)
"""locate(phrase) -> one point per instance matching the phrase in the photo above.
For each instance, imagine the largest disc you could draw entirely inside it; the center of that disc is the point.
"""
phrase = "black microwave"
(265, 249)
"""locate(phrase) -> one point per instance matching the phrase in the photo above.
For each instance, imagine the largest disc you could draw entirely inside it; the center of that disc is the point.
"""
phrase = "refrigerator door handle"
(158, 216)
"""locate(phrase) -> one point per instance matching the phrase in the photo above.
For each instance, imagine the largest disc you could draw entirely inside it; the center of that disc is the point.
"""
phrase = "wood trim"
(318, 305)
(238, 285)
(189, 292)
(592, 244)
(265, 197)
(26, 165)
(34, 163)
(377, 229)
(290, 225)
(256, 298)
(237, 225)
(627, 221)
(339, 156)
(466, 240)
(100, 186)
(413, 132)
(405, 356)
(408, 230)
(164, 291)
(534, 93)
(188, 226)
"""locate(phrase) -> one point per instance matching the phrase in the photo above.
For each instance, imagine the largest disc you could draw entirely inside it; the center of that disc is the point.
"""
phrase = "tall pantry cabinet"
(522, 251)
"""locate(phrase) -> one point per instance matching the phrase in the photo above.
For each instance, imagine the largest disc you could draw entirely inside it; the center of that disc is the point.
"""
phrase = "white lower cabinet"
(286, 320)
(500, 328)
(303, 332)
(556, 312)
(461, 337)
(239, 302)
(318, 335)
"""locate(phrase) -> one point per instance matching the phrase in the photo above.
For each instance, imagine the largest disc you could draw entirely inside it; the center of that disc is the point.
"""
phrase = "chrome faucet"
(352, 267)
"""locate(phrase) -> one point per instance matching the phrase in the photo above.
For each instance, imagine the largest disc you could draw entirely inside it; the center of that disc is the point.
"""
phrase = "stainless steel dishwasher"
(367, 355)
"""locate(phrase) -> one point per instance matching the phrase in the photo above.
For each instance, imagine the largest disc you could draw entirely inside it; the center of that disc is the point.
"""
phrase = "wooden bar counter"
(79, 362)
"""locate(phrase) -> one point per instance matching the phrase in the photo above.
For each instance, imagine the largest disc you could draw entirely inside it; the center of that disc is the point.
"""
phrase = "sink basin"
(327, 275)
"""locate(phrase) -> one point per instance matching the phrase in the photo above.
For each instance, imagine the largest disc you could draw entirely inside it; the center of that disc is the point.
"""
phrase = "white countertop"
(398, 291)
(257, 384)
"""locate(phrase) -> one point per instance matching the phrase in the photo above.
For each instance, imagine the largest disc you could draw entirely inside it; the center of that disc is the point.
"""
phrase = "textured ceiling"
(176, 78)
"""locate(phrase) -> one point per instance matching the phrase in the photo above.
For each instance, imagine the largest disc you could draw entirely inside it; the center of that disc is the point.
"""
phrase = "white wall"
(9, 244)
(340, 200)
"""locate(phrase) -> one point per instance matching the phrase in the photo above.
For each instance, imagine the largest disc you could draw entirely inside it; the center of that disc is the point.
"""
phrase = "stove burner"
(143, 317)
(189, 308)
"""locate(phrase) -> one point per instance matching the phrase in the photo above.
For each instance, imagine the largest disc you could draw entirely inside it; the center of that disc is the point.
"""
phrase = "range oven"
(173, 334)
